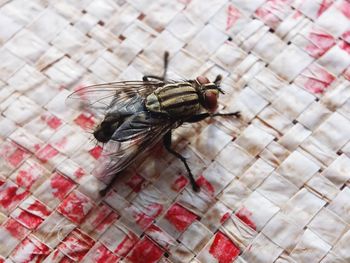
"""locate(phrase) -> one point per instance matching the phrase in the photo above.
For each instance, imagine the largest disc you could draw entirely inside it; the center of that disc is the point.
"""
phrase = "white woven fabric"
(274, 183)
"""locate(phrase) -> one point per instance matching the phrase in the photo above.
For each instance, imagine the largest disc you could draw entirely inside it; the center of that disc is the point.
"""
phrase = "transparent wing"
(130, 141)
(99, 98)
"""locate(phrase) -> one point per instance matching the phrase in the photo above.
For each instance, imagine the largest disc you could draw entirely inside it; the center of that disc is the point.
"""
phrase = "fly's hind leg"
(167, 145)
(162, 78)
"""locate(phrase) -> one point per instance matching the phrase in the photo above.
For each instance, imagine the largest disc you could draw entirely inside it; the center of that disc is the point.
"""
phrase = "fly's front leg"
(166, 62)
(148, 77)
(237, 114)
(202, 116)
(167, 145)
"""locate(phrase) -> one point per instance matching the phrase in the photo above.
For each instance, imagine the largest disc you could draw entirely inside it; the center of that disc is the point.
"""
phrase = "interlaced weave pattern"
(274, 183)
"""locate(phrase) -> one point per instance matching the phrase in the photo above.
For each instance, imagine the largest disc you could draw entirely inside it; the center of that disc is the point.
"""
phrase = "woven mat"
(274, 183)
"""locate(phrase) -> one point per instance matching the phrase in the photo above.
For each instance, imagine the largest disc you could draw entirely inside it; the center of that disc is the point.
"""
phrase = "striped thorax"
(176, 99)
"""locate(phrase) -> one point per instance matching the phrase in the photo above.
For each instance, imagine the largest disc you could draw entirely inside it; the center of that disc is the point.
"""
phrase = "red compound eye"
(211, 100)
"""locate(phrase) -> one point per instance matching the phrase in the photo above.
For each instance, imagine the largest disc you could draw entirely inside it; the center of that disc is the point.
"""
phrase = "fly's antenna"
(217, 80)
(166, 62)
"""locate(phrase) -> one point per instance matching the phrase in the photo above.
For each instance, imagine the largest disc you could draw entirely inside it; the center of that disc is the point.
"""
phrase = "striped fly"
(139, 114)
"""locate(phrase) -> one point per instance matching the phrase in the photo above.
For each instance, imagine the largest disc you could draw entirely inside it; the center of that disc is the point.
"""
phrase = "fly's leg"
(148, 77)
(202, 116)
(166, 62)
(236, 114)
(167, 145)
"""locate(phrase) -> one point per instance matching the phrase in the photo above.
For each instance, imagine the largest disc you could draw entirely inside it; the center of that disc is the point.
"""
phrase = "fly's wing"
(135, 136)
(98, 99)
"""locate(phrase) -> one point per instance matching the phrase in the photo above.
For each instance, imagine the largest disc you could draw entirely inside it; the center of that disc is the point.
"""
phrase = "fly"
(139, 114)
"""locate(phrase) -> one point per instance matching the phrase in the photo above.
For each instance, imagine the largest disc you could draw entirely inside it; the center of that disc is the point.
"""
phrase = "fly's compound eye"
(211, 99)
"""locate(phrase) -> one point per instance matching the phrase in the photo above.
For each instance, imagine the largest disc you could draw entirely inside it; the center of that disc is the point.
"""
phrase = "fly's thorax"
(175, 99)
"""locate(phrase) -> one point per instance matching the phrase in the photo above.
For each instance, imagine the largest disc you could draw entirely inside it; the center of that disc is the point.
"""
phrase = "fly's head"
(104, 131)
(209, 92)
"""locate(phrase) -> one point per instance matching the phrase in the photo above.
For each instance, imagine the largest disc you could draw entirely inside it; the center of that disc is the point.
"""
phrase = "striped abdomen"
(176, 100)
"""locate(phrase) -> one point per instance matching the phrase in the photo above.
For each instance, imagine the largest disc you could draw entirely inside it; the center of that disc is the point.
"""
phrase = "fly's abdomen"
(176, 100)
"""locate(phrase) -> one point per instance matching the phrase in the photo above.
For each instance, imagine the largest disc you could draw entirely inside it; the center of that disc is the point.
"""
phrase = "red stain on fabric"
(180, 217)
(319, 43)
(318, 86)
(34, 251)
(297, 14)
(186, 2)
(346, 36)
(39, 209)
(160, 237)
(135, 182)
(36, 147)
(179, 183)
(78, 173)
(345, 46)
(56, 255)
(103, 255)
(80, 91)
(233, 15)
(267, 12)
(60, 185)
(204, 183)
(154, 210)
(76, 245)
(223, 249)
(65, 259)
(29, 220)
(345, 8)
(324, 6)
(224, 217)
(85, 120)
(109, 220)
(245, 216)
(11, 195)
(15, 229)
(346, 74)
(96, 152)
(46, 153)
(154, 228)
(27, 175)
(98, 214)
(145, 252)
(75, 207)
(17, 157)
(126, 244)
(61, 143)
(315, 79)
(24, 179)
(145, 218)
(53, 122)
